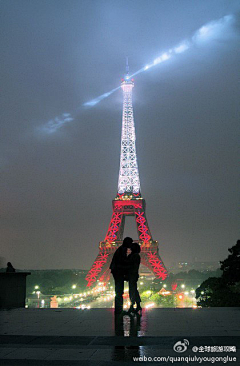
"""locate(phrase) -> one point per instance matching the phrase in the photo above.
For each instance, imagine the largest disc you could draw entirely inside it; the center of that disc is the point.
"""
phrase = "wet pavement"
(96, 337)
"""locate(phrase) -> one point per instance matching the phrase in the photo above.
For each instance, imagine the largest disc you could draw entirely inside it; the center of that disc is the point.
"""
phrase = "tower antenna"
(127, 66)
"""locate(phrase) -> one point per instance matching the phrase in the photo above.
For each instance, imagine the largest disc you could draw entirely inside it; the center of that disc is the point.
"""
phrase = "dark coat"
(118, 264)
(133, 263)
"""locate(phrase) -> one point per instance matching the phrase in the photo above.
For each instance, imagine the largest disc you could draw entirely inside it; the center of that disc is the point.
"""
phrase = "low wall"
(13, 289)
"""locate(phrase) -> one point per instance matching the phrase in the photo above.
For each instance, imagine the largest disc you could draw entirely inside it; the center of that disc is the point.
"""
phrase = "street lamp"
(38, 295)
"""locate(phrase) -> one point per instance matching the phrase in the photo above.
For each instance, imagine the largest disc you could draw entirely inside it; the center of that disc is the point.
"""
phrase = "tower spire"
(128, 180)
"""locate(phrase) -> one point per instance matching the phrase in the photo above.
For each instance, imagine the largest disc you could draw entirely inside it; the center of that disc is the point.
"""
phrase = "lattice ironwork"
(144, 232)
(128, 181)
(156, 265)
(97, 267)
(114, 227)
(105, 277)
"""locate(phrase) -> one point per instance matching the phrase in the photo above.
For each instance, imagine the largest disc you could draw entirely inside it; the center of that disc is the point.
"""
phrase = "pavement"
(61, 337)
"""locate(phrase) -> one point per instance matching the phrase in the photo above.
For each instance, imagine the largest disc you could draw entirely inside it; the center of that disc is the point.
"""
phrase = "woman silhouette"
(133, 263)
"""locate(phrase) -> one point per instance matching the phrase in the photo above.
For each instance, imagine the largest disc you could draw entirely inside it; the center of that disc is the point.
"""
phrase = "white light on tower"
(128, 180)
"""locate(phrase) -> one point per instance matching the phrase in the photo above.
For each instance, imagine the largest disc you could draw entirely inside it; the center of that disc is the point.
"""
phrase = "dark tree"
(231, 265)
(215, 292)
(225, 290)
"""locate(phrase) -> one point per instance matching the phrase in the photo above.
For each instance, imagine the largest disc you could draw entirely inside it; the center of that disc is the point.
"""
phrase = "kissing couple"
(124, 267)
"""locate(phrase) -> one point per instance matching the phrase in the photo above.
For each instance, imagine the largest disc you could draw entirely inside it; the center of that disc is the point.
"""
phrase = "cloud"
(216, 29)
(54, 124)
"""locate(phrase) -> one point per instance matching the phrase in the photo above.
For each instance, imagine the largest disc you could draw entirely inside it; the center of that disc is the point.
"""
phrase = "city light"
(74, 286)
(164, 293)
(83, 307)
(100, 299)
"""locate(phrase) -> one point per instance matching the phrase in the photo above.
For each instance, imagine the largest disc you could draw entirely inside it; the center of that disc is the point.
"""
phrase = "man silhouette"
(118, 269)
(10, 268)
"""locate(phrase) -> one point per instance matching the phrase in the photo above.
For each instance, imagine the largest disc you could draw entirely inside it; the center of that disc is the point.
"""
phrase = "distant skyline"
(57, 189)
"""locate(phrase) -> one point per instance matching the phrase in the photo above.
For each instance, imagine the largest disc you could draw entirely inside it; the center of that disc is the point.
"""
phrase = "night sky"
(57, 188)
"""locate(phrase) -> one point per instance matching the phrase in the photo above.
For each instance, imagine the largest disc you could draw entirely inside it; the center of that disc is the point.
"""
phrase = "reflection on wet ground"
(129, 325)
(46, 337)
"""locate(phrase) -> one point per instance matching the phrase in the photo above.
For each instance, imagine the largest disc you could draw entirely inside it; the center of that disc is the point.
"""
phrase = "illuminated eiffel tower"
(128, 202)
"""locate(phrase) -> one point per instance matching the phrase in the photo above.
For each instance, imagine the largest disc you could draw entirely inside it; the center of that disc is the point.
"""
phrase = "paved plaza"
(96, 337)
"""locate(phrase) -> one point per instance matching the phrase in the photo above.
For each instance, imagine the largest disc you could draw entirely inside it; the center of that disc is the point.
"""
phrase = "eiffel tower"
(128, 202)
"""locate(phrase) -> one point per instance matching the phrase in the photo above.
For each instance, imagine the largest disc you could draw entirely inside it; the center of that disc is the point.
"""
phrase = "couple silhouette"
(124, 267)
